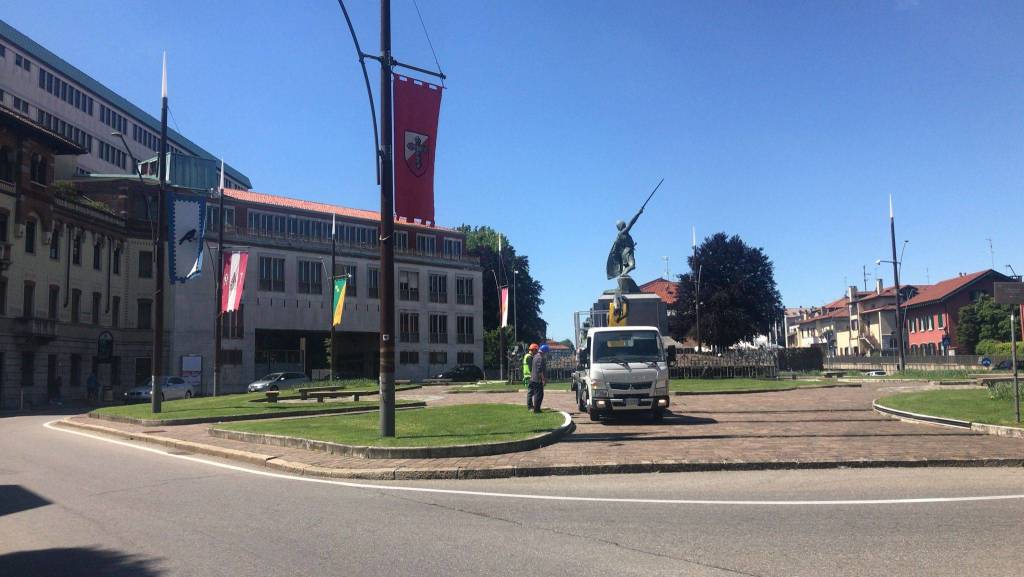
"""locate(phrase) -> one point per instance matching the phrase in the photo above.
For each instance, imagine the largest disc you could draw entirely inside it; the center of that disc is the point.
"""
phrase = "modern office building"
(47, 89)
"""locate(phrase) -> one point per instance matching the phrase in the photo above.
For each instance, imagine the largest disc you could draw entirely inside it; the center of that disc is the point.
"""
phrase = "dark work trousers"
(535, 395)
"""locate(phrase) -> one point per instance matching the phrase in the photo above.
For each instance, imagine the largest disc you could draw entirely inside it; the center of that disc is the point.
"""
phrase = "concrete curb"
(366, 452)
(230, 418)
(982, 428)
(758, 391)
(510, 471)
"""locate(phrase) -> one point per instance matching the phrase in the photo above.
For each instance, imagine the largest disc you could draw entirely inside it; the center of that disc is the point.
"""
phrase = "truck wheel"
(581, 402)
(594, 414)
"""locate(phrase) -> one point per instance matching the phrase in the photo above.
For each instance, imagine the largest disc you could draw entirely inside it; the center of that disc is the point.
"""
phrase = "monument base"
(645, 309)
(627, 286)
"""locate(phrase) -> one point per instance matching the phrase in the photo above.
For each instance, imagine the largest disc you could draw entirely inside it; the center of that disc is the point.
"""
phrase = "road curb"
(758, 391)
(231, 418)
(982, 428)
(367, 452)
(511, 471)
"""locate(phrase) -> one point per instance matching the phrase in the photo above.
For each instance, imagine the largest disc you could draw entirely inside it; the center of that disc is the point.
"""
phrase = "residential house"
(933, 313)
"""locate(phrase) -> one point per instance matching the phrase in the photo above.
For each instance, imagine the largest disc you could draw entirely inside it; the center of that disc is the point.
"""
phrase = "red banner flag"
(417, 107)
(233, 282)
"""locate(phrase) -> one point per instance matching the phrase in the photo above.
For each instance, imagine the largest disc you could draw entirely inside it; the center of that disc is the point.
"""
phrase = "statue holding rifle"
(621, 258)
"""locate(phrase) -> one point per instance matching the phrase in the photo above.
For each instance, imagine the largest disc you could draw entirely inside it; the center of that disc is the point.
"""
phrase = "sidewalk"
(813, 428)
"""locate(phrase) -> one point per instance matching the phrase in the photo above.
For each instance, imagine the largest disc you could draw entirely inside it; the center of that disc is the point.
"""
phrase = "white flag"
(186, 237)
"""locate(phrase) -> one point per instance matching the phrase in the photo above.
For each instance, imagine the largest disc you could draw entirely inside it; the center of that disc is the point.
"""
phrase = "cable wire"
(429, 43)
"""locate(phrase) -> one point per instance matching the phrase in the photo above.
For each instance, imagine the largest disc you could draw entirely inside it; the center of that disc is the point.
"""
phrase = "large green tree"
(983, 319)
(482, 242)
(738, 295)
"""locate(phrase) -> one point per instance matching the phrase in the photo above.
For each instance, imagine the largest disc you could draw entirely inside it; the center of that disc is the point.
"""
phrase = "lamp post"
(901, 360)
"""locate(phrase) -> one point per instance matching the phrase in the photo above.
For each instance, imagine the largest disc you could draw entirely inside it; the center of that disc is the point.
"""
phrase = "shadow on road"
(48, 410)
(15, 498)
(73, 561)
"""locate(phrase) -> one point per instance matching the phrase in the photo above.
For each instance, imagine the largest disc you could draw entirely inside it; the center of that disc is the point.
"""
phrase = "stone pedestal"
(644, 310)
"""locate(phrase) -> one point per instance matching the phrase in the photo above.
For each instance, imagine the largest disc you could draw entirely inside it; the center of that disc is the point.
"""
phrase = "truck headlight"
(595, 385)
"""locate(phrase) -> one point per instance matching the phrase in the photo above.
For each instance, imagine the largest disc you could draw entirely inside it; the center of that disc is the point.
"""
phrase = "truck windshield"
(627, 346)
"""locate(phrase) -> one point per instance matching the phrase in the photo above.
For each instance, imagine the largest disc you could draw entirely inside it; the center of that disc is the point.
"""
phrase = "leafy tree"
(738, 295)
(983, 319)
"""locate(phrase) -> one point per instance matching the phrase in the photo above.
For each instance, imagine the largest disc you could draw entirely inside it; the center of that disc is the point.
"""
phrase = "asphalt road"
(72, 505)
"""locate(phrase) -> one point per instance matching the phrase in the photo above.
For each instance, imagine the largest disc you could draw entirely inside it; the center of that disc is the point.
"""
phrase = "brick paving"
(810, 427)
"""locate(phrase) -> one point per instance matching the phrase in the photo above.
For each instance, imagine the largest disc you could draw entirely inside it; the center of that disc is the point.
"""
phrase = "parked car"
(170, 388)
(1007, 365)
(277, 381)
(462, 374)
(874, 373)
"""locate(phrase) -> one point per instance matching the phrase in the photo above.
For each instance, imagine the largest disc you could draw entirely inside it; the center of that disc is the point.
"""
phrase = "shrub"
(1001, 391)
(993, 348)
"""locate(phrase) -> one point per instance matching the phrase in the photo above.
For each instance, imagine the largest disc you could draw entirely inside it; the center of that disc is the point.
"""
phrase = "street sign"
(986, 362)
(1009, 293)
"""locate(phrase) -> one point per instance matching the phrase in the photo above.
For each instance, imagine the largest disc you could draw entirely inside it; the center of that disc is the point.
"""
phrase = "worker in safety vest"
(527, 360)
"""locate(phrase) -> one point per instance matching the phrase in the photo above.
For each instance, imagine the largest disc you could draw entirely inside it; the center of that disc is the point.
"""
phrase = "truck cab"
(621, 370)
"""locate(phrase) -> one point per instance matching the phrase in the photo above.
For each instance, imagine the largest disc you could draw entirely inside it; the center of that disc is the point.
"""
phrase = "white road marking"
(376, 487)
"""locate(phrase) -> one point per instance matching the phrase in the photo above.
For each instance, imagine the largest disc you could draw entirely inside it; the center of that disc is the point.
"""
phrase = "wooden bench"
(272, 396)
(321, 395)
(832, 374)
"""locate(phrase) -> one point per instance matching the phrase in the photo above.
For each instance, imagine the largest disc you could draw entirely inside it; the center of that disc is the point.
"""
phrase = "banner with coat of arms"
(417, 106)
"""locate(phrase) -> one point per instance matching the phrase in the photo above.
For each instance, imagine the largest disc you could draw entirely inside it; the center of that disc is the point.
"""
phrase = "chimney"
(851, 292)
(878, 285)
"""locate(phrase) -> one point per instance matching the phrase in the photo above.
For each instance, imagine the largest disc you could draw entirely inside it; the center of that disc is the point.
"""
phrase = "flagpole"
(901, 358)
(161, 242)
(387, 230)
(219, 281)
(334, 276)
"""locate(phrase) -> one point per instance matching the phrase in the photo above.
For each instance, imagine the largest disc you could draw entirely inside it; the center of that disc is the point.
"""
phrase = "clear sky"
(788, 123)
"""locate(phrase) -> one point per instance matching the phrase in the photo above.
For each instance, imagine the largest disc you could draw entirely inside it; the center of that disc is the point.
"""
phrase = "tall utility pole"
(991, 253)
(334, 276)
(515, 311)
(219, 281)
(387, 232)
(902, 361)
(158, 249)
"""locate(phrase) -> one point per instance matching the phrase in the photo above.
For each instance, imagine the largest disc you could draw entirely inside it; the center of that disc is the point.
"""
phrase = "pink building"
(932, 314)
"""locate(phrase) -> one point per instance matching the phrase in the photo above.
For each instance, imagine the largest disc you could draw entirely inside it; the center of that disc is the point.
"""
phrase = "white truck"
(621, 370)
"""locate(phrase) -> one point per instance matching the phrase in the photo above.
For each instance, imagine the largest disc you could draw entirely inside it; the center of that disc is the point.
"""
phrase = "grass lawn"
(224, 406)
(505, 388)
(965, 404)
(431, 427)
(738, 384)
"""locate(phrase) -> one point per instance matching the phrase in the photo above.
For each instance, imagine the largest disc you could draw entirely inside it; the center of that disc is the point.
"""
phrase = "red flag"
(233, 282)
(417, 107)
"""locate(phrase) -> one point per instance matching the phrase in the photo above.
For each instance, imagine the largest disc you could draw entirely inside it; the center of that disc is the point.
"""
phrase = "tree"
(482, 242)
(982, 319)
(738, 295)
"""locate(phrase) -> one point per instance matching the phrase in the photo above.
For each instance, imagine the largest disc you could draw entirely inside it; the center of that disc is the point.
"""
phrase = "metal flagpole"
(334, 276)
(387, 232)
(158, 248)
(219, 281)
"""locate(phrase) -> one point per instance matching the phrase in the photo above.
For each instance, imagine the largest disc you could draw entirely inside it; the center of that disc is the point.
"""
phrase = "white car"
(277, 381)
(170, 388)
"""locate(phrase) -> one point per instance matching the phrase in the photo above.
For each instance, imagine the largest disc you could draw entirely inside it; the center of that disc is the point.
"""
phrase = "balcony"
(35, 331)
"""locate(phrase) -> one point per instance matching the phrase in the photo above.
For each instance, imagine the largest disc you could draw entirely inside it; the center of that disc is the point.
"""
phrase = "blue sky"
(788, 123)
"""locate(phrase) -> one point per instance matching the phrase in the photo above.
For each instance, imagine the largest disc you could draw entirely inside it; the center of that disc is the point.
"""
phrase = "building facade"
(933, 313)
(50, 91)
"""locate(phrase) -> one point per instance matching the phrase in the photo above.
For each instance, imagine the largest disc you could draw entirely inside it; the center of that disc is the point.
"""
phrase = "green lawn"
(737, 384)
(430, 427)
(505, 388)
(973, 405)
(224, 406)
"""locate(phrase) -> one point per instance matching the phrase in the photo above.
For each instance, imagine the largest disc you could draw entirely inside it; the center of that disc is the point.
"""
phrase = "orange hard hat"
(534, 347)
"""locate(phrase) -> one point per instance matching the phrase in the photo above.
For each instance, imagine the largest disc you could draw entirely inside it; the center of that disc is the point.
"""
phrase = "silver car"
(170, 388)
(277, 381)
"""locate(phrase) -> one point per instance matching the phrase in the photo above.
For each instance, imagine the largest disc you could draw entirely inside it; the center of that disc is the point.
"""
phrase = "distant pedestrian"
(538, 378)
(92, 388)
(527, 358)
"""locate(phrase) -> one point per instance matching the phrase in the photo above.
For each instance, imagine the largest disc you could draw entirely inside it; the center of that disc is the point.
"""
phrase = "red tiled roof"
(840, 312)
(891, 307)
(665, 289)
(941, 290)
(307, 205)
(886, 292)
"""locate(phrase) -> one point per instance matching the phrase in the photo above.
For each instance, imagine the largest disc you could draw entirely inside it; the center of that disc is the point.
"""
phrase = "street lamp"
(896, 266)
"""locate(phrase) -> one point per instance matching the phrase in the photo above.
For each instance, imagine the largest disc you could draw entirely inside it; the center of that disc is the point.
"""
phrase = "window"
(28, 305)
(3, 296)
(271, 274)
(145, 264)
(453, 248)
(6, 162)
(351, 288)
(464, 290)
(311, 277)
(30, 237)
(76, 370)
(97, 256)
(76, 248)
(143, 370)
(55, 243)
(409, 327)
(438, 328)
(464, 330)
(409, 357)
(931, 322)
(76, 305)
(465, 358)
(408, 286)
(438, 288)
(145, 314)
(53, 310)
(28, 369)
(401, 240)
(233, 324)
(942, 321)
(426, 244)
(373, 282)
(438, 358)
(115, 312)
(97, 298)
(115, 261)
